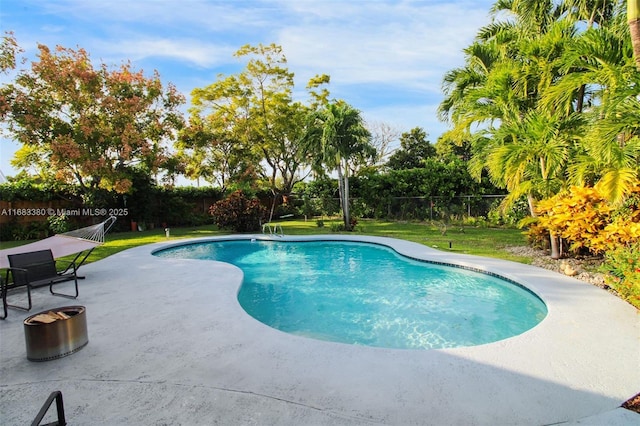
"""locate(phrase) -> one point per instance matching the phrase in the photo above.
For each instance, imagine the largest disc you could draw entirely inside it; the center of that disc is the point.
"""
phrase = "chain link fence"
(409, 208)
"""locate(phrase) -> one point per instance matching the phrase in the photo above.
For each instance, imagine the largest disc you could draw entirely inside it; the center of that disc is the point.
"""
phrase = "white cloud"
(386, 57)
(170, 15)
(410, 45)
(406, 117)
(188, 51)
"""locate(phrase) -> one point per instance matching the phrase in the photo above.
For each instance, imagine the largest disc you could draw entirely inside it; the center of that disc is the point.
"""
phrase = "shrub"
(238, 213)
(578, 216)
(511, 216)
(622, 267)
(29, 231)
(584, 218)
(537, 235)
(58, 224)
(337, 227)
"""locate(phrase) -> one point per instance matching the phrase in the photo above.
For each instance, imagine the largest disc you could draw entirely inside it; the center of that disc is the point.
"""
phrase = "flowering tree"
(89, 125)
(8, 51)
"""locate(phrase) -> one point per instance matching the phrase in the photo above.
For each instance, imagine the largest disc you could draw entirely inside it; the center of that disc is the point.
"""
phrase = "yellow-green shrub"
(624, 228)
(622, 267)
(579, 216)
(583, 217)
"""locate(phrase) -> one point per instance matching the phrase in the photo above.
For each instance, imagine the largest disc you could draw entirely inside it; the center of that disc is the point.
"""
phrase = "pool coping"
(195, 356)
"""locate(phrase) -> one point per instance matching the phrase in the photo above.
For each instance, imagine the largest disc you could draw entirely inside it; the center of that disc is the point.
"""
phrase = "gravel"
(583, 268)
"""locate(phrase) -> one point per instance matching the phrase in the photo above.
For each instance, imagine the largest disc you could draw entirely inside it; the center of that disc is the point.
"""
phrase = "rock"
(570, 271)
(574, 267)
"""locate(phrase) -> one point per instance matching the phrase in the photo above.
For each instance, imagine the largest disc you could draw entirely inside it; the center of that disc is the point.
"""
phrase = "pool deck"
(169, 344)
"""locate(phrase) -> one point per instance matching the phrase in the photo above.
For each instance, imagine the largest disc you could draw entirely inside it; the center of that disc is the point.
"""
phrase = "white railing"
(273, 229)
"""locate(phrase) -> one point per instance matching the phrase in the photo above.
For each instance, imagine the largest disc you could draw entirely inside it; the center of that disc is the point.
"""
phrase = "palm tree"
(525, 148)
(601, 59)
(529, 157)
(468, 101)
(589, 12)
(337, 137)
(549, 97)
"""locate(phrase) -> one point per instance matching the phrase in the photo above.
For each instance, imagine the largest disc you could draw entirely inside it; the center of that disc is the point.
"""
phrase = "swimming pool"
(368, 294)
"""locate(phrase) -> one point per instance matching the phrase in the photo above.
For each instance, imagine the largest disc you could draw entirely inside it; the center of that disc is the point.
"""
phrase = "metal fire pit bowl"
(56, 339)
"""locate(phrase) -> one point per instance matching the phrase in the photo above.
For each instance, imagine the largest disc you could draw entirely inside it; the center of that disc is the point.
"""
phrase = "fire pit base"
(55, 333)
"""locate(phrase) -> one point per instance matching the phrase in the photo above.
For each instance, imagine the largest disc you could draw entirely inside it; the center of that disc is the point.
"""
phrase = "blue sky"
(386, 58)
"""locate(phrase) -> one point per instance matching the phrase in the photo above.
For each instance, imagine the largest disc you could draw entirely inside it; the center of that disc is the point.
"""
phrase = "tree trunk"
(347, 214)
(554, 241)
(343, 205)
(633, 19)
(555, 246)
(273, 204)
(580, 103)
(531, 201)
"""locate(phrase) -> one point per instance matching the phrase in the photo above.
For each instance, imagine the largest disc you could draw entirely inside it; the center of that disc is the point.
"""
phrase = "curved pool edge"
(405, 248)
(410, 252)
(570, 333)
(551, 287)
(169, 344)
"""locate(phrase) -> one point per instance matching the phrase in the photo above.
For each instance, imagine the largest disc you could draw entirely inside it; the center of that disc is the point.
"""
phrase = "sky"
(385, 57)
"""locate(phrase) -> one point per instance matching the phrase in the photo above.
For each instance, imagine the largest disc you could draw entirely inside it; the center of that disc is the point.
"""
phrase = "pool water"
(367, 294)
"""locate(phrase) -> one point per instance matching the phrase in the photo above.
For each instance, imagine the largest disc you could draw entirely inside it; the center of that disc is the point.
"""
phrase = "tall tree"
(9, 50)
(256, 110)
(92, 125)
(337, 138)
(492, 99)
(529, 157)
(494, 102)
(216, 155)
(415, 148)
(383, 135)
(547, 98)
(602, 59)
(589, 12)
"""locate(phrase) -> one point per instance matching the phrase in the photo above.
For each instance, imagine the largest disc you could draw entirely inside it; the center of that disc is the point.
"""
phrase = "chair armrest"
(13, 270)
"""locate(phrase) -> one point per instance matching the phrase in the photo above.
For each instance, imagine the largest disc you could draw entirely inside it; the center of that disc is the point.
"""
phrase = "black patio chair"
(36, 269)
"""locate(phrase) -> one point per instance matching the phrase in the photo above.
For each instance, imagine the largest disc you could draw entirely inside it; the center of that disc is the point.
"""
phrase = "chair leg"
(68, 296)
(4, 297)
(22, 308)
(57, 396)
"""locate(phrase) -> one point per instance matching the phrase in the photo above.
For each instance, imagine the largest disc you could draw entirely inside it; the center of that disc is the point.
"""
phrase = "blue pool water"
(367, 294)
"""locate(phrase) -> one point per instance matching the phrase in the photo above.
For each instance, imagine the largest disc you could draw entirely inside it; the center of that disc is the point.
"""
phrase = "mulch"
(633, 404)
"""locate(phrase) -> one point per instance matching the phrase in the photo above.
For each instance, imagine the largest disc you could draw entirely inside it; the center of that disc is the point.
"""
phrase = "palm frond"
(617, 183)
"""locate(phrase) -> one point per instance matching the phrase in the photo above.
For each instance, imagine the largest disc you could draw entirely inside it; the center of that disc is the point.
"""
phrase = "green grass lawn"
(479, 241)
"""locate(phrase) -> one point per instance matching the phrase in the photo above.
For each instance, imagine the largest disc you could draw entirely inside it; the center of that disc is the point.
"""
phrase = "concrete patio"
(169, 344)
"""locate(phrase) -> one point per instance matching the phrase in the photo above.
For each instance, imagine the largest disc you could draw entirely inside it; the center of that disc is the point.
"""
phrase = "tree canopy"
(414, 149)
(250, 119)
(86, 124)
(548, 97)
